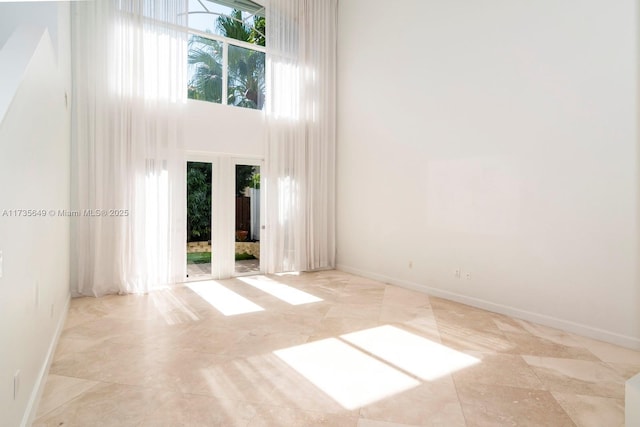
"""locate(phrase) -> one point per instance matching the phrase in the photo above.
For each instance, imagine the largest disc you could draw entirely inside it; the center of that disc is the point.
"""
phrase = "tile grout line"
(71, 399)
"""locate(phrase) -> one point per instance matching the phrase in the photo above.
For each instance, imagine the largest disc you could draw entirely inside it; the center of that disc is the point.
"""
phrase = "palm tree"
(246, 78)
(246, 70)
(206, 56)
(233, 26)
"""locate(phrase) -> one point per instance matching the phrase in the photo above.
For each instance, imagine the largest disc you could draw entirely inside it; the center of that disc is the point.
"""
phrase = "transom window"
(226, 58)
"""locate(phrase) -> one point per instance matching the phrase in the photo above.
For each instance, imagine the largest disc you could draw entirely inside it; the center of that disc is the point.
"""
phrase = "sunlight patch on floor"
(412, 353)
(347, 375)
(279, 290)
(222, 299)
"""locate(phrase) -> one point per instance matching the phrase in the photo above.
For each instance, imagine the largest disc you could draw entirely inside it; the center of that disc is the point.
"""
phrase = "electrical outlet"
(467, 276)
(16, 384)
(456, 273)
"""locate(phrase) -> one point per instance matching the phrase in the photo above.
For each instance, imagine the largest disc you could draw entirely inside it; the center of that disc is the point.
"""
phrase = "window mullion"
(225, 73)
(224, 39)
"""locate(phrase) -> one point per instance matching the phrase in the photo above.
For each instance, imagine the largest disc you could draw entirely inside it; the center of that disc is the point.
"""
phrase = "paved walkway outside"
(203, 271)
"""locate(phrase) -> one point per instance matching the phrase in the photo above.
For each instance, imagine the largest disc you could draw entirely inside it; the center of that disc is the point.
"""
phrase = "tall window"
(226, 52)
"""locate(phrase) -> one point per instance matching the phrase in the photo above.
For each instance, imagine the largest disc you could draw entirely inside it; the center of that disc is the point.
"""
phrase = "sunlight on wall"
(281, 291)
(222, 299)
(347, 375)
(416, 355)
(474, 195)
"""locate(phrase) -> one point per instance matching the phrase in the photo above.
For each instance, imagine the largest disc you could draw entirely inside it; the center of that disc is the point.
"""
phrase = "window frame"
(226, 41)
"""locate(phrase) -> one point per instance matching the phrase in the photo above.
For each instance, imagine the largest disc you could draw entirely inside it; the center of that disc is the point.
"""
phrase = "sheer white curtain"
(300, 152)
(129, 65)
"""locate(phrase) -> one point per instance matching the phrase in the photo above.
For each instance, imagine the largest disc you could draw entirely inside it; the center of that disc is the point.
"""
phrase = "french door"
(224, 211)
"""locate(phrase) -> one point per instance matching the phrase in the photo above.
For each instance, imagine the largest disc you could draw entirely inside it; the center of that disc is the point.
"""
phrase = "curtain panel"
(129, 65)
(301, 134)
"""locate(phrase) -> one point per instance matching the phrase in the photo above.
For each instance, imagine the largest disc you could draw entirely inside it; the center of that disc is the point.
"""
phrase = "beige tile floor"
(324, 348)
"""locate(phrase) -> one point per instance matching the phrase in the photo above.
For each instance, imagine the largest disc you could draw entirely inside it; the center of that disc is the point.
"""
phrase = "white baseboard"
(554, 322)
(38, 389)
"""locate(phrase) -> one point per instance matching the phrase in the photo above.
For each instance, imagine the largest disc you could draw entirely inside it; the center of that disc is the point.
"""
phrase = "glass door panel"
(199, 197)
(247, 220)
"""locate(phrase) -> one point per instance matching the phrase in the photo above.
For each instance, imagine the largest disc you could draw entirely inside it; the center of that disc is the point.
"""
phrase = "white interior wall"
(499, 138)
(223, 129)
(40, 14)
(34, 174)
